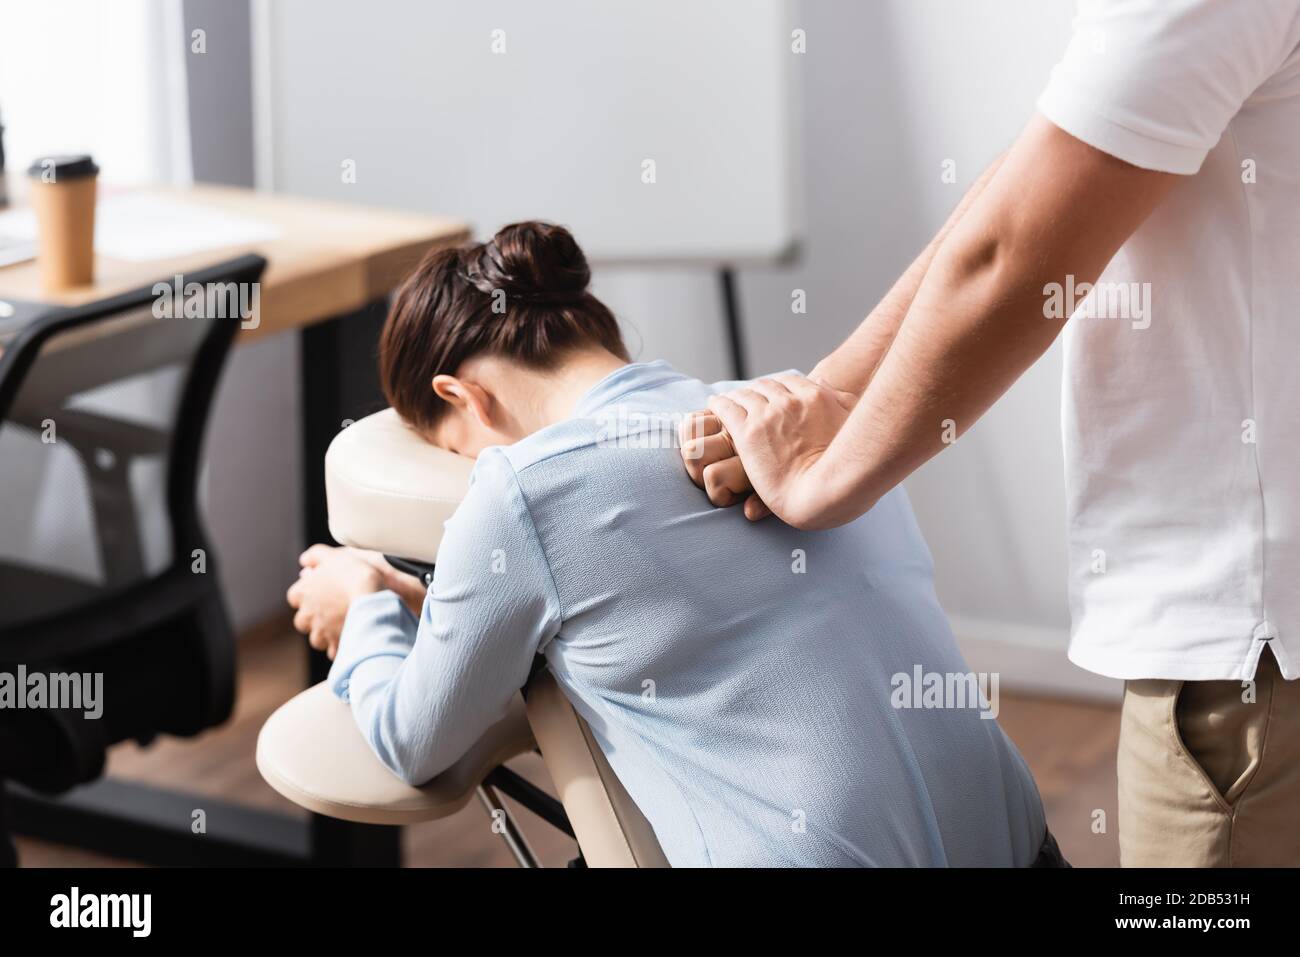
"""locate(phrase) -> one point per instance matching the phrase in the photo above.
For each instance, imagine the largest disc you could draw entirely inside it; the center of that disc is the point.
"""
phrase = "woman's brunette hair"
(522, 295)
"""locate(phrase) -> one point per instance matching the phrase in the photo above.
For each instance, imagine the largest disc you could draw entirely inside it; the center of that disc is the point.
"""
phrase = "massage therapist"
(1164, 158)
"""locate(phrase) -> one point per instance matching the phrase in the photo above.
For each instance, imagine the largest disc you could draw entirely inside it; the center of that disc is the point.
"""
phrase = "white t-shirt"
(1182, 368)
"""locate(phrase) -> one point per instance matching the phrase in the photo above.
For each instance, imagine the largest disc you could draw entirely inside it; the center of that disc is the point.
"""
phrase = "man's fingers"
(809, 388)
(756, 509)
(710, 448)
(771, 389)
(302, 621)
(318, 640)
(730, 413)
(699, 454)
(696, 425)
(725, 482)
(294, 595)
(751, 400)
(798, 385)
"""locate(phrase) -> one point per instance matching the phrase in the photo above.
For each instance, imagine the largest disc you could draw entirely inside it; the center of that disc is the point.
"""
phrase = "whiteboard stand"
(731, 318)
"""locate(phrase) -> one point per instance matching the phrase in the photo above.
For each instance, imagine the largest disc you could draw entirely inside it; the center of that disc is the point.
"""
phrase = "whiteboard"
(501, 110)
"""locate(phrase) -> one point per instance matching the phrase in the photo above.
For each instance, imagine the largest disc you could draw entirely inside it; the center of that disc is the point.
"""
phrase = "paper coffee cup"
(63, 198)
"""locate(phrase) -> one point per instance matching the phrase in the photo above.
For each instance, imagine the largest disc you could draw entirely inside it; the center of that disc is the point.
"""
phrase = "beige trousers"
(1207, 779)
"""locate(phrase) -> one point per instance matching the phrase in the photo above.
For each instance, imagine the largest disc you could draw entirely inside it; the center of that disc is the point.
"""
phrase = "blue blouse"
(755, 687)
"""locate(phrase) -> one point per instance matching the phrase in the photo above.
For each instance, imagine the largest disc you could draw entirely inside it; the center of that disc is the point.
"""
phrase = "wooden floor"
(1070, 747)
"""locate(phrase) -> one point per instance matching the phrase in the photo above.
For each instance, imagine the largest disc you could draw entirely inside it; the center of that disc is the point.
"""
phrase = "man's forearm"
(977, 321)
(850, 367)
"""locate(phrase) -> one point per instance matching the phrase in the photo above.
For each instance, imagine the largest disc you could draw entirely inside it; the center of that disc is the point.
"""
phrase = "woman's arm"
(423, 692)
(331, 578)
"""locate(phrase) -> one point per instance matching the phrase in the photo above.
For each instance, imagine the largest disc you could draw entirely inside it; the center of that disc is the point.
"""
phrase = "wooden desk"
(328, 273)
(330, 259)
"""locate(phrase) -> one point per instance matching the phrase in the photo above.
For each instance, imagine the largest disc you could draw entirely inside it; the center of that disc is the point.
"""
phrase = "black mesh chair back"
(103, 559)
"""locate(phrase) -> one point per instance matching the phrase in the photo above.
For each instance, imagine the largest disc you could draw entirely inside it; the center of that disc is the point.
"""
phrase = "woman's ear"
(467, 397)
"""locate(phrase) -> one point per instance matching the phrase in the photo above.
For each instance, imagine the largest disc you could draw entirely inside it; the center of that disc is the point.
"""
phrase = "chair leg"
(509, 830)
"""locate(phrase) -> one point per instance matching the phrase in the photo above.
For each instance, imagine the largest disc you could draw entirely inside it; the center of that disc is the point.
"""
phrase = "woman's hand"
(330, 578)
(780, 427)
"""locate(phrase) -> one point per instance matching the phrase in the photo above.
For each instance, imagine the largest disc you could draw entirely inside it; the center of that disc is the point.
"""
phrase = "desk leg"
(339, 382)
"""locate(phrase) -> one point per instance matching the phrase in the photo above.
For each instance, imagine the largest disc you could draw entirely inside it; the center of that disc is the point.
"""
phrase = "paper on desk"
(138, 227)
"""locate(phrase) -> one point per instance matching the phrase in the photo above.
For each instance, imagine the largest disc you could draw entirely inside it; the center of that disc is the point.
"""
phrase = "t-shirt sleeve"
(1156, 82)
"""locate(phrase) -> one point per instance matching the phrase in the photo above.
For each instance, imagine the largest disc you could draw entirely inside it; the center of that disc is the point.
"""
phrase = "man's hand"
(1055, 210)
(780, 427)
(713, 465)
(329, 580)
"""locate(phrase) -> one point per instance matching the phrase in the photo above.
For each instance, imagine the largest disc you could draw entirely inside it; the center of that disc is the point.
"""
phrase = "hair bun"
(534, 262)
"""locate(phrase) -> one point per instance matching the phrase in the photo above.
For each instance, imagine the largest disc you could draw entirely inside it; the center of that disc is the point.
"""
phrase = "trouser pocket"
(1207, 779)
(1219, 727)
(1170, 813)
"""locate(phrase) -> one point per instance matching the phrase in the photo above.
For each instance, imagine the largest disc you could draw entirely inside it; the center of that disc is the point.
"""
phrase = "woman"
(743, 682)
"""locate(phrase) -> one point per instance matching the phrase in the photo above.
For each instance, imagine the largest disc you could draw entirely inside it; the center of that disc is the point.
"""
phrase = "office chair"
(104, 564)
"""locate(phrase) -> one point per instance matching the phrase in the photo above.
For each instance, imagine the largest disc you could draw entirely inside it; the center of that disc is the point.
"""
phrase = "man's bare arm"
(710, 460)
(1055, 207)
(850, 367)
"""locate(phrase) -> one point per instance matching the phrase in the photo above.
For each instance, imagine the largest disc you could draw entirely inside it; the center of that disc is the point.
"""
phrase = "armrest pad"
(311, 751)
